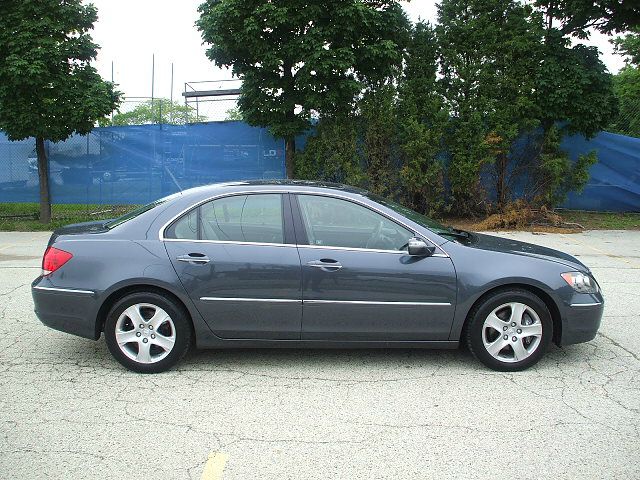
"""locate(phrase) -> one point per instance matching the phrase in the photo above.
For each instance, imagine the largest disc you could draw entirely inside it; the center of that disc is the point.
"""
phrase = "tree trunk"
(290, 150)
(501, 187)
(43, 177)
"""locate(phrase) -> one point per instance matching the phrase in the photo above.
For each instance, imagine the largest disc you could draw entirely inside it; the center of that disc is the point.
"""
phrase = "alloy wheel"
(512, 332)
(145, 333)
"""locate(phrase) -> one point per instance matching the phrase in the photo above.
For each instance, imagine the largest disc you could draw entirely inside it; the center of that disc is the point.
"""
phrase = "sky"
(130, 32)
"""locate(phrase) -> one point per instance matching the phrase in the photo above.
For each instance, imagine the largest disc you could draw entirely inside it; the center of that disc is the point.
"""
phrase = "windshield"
(138, 211)
(416, 217)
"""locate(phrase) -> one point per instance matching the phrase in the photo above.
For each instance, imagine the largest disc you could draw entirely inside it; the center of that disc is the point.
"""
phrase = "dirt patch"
(519, 216)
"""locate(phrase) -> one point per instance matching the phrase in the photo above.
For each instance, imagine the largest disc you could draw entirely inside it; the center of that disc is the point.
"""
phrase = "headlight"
(581, 282)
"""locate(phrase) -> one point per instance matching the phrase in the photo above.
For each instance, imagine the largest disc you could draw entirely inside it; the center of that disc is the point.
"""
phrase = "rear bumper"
(65, 309)
(581, 322)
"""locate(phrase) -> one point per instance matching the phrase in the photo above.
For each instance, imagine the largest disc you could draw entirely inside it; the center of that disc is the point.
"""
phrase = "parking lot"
(67, 410)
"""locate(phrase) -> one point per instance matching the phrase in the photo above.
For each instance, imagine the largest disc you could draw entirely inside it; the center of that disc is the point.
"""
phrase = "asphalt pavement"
(68, 411)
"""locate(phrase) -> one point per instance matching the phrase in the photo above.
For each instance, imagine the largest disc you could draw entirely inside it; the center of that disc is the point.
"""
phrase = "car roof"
(288, 185)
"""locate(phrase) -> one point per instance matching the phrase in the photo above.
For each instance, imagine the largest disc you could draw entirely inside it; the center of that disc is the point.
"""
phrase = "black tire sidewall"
(178, 316)
(479, 315)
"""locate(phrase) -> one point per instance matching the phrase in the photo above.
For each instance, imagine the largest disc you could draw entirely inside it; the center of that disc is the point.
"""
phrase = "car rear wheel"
(147, 333)
(510, 330)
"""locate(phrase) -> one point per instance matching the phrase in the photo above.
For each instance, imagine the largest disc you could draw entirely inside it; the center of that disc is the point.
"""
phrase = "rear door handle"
(326, 264)
(194, 258)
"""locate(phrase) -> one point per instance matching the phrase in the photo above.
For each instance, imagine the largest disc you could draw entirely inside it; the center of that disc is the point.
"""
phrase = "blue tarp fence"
(138, 164)
(615, 180)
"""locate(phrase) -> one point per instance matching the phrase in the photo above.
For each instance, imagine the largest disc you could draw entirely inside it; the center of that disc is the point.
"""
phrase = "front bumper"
(68, 310)
(581, 321)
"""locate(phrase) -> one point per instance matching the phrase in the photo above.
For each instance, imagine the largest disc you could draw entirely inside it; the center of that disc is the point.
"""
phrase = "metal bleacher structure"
(223, 94)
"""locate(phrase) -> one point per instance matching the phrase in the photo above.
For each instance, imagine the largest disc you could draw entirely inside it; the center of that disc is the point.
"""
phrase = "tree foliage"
(421, 119)
(233, 114)
(158, 110)
(333, 153)
(555, 175)
(629, 46)
(490, 52)
(377, 114)
(626, 85)
(431, 129)
(575, 88)
(576, 17)
(297, 58)
(48, 88)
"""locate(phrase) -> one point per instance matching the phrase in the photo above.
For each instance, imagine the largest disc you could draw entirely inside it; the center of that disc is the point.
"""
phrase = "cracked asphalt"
(67, 410)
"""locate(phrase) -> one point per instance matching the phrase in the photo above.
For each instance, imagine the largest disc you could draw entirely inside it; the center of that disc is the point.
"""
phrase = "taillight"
(53, 259)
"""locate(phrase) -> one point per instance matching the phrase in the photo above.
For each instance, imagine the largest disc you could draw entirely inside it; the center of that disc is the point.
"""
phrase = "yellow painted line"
(7, 246)
(214, 467)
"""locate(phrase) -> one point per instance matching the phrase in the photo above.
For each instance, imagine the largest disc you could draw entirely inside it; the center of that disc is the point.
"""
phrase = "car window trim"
(198, 209)
(303, 225)
(300, 225)
(294, 207)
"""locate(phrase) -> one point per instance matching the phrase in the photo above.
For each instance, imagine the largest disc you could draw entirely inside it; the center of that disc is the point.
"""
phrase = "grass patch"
(566, 221)
(603, 220)
(23, 217)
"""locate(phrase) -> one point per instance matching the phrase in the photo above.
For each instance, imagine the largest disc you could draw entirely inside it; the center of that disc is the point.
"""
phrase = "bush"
(332, 154)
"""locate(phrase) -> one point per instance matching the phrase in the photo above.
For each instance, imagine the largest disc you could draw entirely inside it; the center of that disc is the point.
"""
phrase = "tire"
(510, 330)
(147, 332)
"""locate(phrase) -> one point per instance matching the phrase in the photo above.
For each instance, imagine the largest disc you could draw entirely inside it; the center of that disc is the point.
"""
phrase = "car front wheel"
(510, 330)
(147, 333)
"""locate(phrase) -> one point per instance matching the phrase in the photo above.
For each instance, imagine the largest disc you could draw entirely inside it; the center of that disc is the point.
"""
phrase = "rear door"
(236, 258)
(360, 284)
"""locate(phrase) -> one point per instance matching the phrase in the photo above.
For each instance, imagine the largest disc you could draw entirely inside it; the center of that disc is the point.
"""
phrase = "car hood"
(506, 245)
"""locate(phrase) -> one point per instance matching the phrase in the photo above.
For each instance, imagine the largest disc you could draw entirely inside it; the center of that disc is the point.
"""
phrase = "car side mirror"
(419, 248)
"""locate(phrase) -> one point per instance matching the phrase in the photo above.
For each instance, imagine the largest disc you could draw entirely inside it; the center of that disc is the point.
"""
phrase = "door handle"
(326, 264)
(194, 258)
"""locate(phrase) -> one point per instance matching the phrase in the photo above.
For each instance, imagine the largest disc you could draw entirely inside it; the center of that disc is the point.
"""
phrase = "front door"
(232, 257)
(359, 283)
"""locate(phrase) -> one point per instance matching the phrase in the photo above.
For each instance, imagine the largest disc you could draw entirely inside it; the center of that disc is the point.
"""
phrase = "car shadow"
(87, 353)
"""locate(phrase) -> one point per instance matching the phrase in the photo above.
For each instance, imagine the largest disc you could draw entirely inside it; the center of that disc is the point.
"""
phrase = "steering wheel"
(375, 236)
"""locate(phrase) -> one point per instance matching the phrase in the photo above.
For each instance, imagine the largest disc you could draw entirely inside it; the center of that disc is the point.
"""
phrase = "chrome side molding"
(64, 290)
(312, 302)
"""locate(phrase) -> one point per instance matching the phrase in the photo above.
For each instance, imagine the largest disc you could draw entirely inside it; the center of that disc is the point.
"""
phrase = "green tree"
(490, 51)
(421, 118)
(158, 110)
(377, 113)
(505, 72)
(576, 17)
(332, 153)
(233, 114)
(48, 89)
(461, 64)
(574, 87)
(629, 46)
(298, 58)
(574, 92)
(626, 85)
(553, 175)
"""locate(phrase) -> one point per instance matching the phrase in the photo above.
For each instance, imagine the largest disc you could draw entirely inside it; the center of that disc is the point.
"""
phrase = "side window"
(185, 228)
(334, 222)
(243, 218)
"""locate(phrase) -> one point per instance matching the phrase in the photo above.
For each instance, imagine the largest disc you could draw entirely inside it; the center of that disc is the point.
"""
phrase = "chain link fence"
(627, 121)
(138, 164)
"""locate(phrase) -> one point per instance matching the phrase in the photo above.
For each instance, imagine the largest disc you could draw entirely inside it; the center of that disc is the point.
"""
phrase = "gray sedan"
(299, 264)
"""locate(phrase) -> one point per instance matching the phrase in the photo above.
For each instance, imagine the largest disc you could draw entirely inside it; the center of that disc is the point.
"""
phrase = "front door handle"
(326, 264)
(194, 258)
